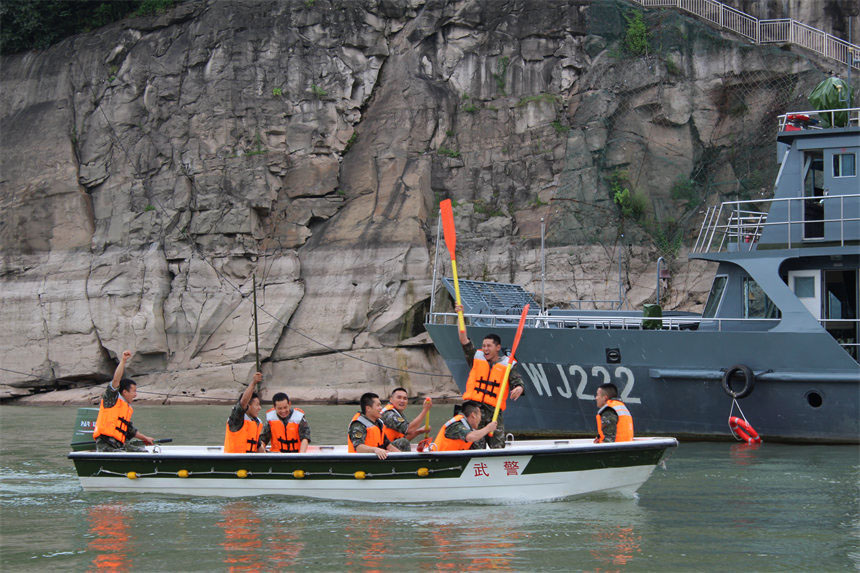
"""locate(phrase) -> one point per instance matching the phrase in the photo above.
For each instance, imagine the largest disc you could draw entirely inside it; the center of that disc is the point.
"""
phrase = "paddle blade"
(447, 214)
(519, 331)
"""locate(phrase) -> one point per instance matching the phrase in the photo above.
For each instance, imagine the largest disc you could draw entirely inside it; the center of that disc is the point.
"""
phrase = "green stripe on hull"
(552, 462)
(317, 470)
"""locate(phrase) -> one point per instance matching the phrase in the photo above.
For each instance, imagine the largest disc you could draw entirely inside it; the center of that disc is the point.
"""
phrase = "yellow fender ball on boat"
(131, 475)
(182, 473)
(242, 473)
(360, 475)
(423, 472)
(299, 474)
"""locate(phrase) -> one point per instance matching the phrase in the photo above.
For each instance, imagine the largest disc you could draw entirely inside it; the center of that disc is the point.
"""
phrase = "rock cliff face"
(152, 169)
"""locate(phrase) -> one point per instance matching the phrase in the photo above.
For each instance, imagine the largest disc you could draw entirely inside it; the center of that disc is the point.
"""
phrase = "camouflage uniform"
(497, 438)
(304, 429)
(237, 417)
(395, 420)
(609, 424)
(459, 431)
(109, 444)
(358, 433)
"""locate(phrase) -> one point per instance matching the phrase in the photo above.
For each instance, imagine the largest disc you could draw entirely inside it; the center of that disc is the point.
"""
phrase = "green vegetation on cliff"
(37, 24)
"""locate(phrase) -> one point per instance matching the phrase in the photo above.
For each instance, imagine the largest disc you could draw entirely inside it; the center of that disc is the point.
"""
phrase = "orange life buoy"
(744, 431)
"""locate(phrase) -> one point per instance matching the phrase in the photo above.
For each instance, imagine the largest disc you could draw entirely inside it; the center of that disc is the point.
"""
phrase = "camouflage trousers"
(496, 440)
(107, 444)
(402, 444)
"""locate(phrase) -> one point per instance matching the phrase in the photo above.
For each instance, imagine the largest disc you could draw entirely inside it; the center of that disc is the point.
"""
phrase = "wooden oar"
(447, 214)
(504, 388)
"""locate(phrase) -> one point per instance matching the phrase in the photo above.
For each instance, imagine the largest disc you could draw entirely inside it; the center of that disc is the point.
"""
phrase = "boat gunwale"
(644, 443)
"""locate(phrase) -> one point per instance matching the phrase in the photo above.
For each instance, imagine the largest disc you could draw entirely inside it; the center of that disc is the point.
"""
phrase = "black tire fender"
(749, 381)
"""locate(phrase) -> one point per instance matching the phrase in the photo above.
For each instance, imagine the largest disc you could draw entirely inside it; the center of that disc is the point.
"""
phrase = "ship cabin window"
(844, 165)
(813, 191)
(756, 303)
(715, 297)
(841, 299)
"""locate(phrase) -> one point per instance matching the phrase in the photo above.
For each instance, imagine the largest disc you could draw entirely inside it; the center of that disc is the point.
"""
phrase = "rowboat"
(523, 471)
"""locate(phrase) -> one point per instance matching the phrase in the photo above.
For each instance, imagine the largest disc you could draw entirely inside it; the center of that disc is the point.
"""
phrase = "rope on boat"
(740, 427)
(297, 474)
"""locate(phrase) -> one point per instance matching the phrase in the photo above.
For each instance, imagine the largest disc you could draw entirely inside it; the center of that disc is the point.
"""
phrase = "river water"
(715, 506)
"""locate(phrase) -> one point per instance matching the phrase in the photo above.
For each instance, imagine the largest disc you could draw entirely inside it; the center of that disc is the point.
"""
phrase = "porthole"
(814, 399)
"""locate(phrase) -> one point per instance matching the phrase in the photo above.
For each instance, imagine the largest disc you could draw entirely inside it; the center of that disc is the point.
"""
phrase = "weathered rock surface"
(152, 169)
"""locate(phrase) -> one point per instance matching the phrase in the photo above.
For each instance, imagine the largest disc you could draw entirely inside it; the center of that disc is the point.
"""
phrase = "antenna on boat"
(435, 263)
(542, 265)
(256, 332)
(620, 282)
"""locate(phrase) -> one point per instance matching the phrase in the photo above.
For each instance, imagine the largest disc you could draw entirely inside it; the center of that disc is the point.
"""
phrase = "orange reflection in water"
(474, 548)
(242, 543)
(112, 539)
(283, 545)
(619, 545)
(366, 544)
(743, 454)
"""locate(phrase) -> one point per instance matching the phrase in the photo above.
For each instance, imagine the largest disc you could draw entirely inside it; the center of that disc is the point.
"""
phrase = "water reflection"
(471, 544)
(743, 454)
(618, 546)
(283, 545)
(242, 544)
(366, 545)
(112, 537)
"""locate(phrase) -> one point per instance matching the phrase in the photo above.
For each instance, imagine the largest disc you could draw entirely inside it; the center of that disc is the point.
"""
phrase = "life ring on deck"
(749, 381)
(743, 430)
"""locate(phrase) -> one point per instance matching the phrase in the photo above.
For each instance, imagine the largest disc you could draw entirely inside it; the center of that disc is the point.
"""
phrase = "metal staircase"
(781, 31)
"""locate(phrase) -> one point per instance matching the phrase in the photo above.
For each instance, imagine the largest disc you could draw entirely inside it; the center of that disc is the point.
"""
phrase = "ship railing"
(735, 226)
(775, 31)
(800, 120)
(614, 304)
(636, 322)
(847, 328)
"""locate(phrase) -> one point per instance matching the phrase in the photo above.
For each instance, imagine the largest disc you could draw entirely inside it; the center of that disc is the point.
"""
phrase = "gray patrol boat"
(778, 336)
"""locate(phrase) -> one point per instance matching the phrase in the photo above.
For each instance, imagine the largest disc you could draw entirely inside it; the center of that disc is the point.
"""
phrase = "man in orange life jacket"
(398, 431)
(242, 435)
(366, 431)
(113, 425)
(459, 432)
(485, 378)
(286, 428)
(614, 422)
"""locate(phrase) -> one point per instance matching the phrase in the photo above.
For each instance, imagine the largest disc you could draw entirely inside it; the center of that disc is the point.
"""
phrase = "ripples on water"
(716, 506)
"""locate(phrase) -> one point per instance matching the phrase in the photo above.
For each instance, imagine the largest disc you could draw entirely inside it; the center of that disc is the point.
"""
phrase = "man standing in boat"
(488, 367)
(242, 435)
(614, 422)
(113, 425)
(459, 432)
(286, 427)
(397, 429)
(366, 432)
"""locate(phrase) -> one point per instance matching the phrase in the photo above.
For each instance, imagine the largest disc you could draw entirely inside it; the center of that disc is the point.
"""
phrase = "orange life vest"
(374, 438)
(624, 430)
(113, 421)
(390, 433)
(442, 443)
(244, 441)
(285, 436)
(484, 382)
